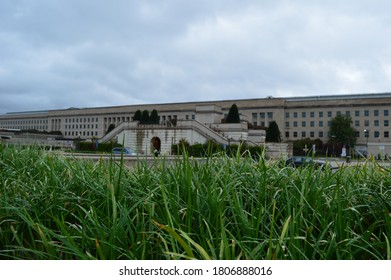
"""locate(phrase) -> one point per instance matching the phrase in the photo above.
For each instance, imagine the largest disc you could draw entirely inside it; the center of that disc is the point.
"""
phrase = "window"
(386, 134)
(356, 123)
(303, 124)
(376, 122)
(312, 123)
(255, 116)
(295, 134)
(376, 113)
(320, 114)
(386, 113)
(366, 113)
(329, 114)
(386, 123)
(320, 123)
(262, 115)
(376, 134)
(312, 134)
(312, 114)
(366, 122)
(357, 113)
(193, 117)
(287, 115)
(286, 134)
(347, 113)
(303, 134)
(295, 115)
(270, 115)
(295, 124)
(286, 124)
(303, 114)
(320, 134)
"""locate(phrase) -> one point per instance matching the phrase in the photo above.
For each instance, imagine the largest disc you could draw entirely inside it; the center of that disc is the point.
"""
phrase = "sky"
(56, 54)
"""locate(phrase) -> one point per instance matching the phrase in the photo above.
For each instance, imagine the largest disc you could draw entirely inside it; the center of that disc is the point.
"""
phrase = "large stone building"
(297, 117)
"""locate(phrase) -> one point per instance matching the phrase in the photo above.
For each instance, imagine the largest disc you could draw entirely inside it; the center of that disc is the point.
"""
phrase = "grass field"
(224, 208)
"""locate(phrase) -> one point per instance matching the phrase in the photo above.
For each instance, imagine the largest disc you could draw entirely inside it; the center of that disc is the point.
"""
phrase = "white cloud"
(99, 53)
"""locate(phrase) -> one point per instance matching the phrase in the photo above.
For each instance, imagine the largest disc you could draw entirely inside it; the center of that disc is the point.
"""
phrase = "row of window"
(27, 127)
(81, 133)
(23, 122)
(115, 119)
(81, 120)
(357, 123)
(263, 115)
(357, 113)
(81, 126)
(376, 134)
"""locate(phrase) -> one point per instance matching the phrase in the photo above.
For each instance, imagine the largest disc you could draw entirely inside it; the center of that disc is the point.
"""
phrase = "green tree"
(137, 116)
(233, 115)
(110, 128)
(273, 133)
(145, 117)
(154, 118)
(341, 131)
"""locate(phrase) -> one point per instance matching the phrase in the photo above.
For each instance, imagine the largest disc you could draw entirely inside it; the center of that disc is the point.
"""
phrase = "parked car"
(125, 151)
(301, 161)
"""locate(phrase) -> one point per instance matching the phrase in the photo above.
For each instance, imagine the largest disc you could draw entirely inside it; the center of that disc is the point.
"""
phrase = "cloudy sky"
(57, 54)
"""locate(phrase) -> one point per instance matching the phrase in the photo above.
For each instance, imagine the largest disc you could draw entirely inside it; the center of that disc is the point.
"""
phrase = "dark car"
(300, 161)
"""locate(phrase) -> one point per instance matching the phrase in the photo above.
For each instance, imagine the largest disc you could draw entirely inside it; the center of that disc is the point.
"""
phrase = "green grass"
(224, 208)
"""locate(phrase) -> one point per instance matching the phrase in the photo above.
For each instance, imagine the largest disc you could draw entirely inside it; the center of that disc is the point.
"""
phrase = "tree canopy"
(154, 118)
(145, 117)
(273, 133)
(233, 115)
(137, 116)
(110, 128)
(342, 132)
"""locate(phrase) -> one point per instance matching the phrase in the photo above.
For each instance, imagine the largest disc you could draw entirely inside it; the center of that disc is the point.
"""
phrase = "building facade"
(297, 117)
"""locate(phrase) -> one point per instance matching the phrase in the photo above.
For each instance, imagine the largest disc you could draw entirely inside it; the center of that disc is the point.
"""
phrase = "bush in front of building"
(304, 147)
(211, 148)
(100, 147)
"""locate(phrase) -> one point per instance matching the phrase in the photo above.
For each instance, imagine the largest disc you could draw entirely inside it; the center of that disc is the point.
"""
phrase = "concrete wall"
(379, 150)
(140, 138)
(279, 150)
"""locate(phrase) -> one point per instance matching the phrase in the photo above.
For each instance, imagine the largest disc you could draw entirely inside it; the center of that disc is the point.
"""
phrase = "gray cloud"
(65, 53)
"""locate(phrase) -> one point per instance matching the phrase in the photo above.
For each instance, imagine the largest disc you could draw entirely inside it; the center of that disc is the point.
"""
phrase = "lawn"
(224, 208)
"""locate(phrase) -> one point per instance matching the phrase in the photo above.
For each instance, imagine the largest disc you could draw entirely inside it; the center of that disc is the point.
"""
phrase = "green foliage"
(299, 146)
(110, 128)
(145, 119)
(154, 118)
(211, 148)
(233, 115)
(137, 116)
(52, 207)
(102, 147)
(342, 132)
(273, 133)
